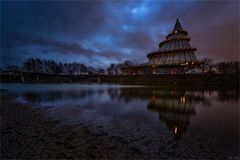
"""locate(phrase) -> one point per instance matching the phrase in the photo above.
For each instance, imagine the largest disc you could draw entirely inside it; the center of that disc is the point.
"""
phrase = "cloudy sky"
(98, 33)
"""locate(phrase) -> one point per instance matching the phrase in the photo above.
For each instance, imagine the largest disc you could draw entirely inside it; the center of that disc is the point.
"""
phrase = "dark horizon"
(100, 33)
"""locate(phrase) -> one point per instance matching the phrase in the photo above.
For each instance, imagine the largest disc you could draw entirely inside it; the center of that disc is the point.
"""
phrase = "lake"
(155, 121)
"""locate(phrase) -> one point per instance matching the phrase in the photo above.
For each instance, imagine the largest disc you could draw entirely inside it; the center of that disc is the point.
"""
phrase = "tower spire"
(178, 26)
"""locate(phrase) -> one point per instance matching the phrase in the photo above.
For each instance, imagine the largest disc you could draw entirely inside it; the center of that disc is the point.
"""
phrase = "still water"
(205, 118)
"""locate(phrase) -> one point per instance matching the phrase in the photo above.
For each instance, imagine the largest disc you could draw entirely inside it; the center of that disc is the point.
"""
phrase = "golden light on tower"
(183, 99)
(175, 130)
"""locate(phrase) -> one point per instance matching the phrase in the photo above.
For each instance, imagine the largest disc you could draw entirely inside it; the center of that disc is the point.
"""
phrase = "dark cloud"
(52, 17)
(17, 39)
(138, 40)
(102, 32)
(47, 45)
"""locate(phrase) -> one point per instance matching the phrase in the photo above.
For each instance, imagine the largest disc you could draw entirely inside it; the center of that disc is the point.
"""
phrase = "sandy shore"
(28, 133)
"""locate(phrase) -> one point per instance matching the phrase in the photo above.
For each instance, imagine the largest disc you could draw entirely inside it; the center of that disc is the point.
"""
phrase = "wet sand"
(27, 132)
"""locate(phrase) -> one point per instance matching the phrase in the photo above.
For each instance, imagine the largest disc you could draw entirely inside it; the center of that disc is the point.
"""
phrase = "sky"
(99, 33)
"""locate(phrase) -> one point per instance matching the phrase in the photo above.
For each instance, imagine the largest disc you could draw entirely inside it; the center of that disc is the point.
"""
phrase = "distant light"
(183, 99)
(175, 31)
(175, 130)
(187, 63)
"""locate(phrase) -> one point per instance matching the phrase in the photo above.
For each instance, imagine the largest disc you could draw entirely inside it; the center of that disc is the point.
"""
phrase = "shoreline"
(164, 79)
(27, 132)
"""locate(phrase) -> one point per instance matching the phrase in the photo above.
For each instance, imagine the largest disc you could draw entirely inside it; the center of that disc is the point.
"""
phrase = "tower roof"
(177, 26)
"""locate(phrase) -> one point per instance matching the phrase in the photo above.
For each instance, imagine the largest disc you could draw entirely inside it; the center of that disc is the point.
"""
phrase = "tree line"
(38, 65)
(50, 66)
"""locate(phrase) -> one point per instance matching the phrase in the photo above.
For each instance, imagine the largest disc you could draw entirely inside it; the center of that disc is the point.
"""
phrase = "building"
(174, 56)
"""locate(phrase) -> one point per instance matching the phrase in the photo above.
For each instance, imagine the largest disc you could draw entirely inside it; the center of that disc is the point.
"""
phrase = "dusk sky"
(98, 33)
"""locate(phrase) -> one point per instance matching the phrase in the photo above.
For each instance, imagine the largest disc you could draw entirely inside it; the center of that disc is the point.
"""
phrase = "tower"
(174, 53)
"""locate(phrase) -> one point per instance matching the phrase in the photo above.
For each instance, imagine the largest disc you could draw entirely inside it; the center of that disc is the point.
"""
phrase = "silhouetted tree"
(50, 66)
(206, 65)
(101, 71)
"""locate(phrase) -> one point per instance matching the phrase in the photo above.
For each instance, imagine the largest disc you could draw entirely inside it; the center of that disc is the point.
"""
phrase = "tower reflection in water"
(174, 107)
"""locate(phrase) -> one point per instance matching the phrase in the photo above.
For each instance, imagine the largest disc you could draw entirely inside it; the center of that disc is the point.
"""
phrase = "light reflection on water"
(167, 110)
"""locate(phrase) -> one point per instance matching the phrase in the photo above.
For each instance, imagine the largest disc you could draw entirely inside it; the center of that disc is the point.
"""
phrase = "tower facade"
(173, 53)
(174, 56)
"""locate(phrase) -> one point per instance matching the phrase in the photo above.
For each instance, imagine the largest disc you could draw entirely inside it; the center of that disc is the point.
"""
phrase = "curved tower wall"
(175, 50)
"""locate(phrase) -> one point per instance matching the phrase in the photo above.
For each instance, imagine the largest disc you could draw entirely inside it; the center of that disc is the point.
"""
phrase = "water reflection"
(165, 97)
(175, 108)
(55, 96)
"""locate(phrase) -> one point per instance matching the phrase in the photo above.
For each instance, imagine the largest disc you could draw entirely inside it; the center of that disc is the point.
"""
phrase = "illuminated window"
(183, 99)
(175, 130)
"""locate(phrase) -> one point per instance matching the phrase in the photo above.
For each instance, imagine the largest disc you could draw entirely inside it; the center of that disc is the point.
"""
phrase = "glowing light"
(175, 130)
(183, 99)
(175, 31)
